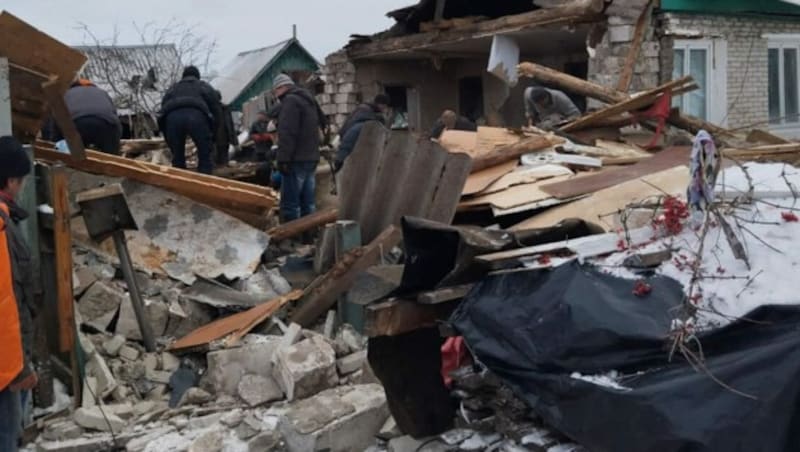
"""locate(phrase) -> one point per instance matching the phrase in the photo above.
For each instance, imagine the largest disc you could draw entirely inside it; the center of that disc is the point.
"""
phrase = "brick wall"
(747, 57)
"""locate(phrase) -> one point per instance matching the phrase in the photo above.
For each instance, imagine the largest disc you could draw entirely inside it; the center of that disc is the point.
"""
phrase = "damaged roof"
(424, 11)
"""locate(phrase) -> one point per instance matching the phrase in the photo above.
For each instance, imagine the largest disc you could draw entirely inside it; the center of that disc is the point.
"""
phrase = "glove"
(283, 168)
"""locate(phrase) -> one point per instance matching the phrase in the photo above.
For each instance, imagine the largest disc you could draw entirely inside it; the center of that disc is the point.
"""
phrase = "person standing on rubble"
(16, 301)
(351, 130)
(190, 109)
(547, 108)
(451, 121)
(225, 135)
(301, 124)
(94, 115)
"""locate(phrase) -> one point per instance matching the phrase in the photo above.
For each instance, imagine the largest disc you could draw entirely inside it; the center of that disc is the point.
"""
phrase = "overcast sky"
(236, 25)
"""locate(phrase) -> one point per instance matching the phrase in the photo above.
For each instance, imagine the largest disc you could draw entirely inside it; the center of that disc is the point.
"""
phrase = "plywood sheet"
(478, 182)
(598, 206)
(527, 175)
(668, 158)
(459, 141)
(512, 197)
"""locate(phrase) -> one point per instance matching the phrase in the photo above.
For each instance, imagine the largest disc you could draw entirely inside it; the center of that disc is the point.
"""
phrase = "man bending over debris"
(351, 129)
(16, 301)
(547, 108)
(190, 108)
(300, 125)
(451, 121)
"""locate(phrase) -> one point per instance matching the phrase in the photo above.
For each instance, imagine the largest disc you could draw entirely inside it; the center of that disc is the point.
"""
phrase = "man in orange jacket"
(16, 303)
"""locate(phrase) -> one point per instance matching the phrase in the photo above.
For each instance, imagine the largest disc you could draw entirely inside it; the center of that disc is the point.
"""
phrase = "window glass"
(774, 86)
(698, 70)
(790, 84)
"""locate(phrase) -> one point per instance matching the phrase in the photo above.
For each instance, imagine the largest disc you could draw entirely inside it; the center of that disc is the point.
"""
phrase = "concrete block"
(62, 430)
(345, 108)
(330, 88)
(129, 353)
(195, 396)
(112, 345)
(324, 99)
(345, 98)
(347, 88)
(157, 314)
(351, 363)
(305, 368)
(390, 430)
(345, 77)
(169, 362)
(266, 441)
(82, 279)
(99, 305)
(349, 341)
(150, 361)
(92, 444)
(339, 420)
(257, 390)
(106, 382)
(186, 316)
(139, 444)
(93, 419)
(211, 441)
(621, 33)
(227, 367)
(158, 376)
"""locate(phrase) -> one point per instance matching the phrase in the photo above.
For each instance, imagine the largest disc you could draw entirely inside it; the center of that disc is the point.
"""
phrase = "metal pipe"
(133, 288)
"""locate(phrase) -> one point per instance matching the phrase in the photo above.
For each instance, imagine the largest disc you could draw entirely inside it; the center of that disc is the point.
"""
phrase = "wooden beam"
(211, 190)
(59, 182)
(303, 224)
(54, 94)
(340, 278)
(626, 76)
(639, 102)
(398, 316)
(444, 294)
(511, 152)
(581, 11)
(571, 83)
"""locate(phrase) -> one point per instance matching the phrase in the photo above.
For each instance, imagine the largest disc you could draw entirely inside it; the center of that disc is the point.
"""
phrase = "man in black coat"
(94, 115)
(301, 122)
(351, 130)
(451, 121)
(190, 108)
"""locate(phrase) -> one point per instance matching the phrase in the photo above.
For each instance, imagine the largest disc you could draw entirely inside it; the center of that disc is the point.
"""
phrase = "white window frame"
(781, 42)
(716, 76)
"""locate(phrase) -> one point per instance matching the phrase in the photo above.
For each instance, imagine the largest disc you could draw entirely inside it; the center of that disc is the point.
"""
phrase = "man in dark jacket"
(451, 121)
(17, 307)
(226, 135)
(94, 115)
(300, 124)
(351, 129)
(190, 108)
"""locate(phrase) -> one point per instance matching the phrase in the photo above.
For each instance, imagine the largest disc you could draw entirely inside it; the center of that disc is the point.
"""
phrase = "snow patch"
(608, 380)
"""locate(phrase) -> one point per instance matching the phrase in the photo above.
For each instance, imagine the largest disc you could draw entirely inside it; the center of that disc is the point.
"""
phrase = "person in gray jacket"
(94, 115)
(548, 108)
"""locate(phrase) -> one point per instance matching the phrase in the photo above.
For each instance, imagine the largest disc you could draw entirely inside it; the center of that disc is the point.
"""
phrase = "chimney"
(294, 31)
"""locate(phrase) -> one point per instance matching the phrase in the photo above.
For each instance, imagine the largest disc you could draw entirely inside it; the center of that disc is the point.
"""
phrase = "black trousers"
(96, 133)
(189, 122)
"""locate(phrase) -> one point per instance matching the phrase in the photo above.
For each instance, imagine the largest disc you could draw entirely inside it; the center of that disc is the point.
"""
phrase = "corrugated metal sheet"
(135, 77)
(244, 68)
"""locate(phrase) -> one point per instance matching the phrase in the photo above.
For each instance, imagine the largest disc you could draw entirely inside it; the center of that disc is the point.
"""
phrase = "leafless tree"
(136, 75)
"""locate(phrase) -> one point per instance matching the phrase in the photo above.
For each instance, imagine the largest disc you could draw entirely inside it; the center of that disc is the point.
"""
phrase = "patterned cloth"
(704, 169)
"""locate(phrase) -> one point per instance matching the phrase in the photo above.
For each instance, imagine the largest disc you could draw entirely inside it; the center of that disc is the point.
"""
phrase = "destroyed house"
(250, 73)
(742, 54)
(136, 77)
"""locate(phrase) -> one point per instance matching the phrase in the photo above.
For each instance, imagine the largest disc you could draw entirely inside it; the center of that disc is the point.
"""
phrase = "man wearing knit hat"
(16, 301)
(300, 124)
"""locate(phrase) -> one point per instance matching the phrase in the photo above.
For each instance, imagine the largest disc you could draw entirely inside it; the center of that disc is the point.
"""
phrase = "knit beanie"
(282, 80)
(14, 162)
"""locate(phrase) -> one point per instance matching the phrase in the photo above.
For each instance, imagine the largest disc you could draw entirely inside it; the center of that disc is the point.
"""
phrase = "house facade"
(743, 55)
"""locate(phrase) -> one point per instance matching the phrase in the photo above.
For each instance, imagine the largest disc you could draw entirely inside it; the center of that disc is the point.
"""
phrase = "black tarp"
(535, 329)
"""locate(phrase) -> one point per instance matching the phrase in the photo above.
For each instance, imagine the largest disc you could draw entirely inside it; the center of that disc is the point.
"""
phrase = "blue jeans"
(298, 190)
(10, 420)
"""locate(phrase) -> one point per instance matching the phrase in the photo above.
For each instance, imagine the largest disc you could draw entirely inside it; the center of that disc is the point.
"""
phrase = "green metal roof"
(731, 6)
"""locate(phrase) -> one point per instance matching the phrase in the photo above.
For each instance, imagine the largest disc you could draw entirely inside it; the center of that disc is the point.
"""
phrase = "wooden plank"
(664, 160)
(571, 83)
(511, 152)
(635, 49)
(54, 94)
(340, 278)
(514, 196)
(297, 227)
(582, 11)
(211, 190)
(762, 136)
(358, 175)
(643, 100)
(600, 207)
(448, 192)
(399, 316)
(237, 324)
(62, 236)
(481, 180)
(526, 176)
(444, 294)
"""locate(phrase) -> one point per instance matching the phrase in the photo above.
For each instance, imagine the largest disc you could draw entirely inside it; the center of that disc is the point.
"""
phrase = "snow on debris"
(608, 380)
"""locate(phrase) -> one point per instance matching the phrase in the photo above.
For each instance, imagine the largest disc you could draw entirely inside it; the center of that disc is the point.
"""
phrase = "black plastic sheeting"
(534, 329)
